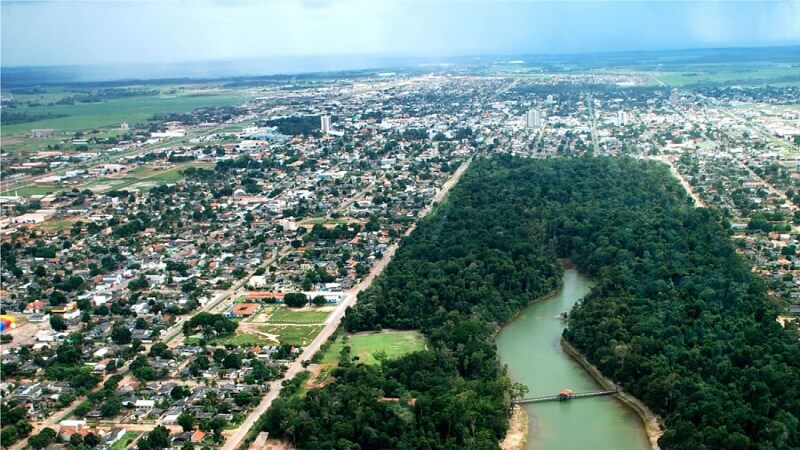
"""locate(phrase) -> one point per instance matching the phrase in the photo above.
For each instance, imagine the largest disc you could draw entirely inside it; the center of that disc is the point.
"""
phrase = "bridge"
(564, 395)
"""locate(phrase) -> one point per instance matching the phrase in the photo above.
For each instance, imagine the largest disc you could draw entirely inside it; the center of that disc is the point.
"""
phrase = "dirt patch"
(517, 434)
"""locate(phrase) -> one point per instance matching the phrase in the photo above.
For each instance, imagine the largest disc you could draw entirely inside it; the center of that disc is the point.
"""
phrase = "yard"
(126, 440)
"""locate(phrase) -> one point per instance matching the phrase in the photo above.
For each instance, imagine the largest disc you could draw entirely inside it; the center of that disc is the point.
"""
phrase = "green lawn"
(111, 113)
(364, 345)
(293, 334)
(27, 191)
(127, 438)
(238, 339)
(288, 315)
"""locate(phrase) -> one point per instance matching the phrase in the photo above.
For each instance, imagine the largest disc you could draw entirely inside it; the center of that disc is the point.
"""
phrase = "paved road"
(235, 439)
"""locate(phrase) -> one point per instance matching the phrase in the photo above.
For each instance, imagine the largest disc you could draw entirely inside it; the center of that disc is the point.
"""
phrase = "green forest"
(676, 318)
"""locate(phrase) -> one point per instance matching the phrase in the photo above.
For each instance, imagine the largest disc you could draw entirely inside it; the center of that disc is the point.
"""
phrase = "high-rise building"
(325, 123)
(622, 118)
(533, 119)
(674, 97)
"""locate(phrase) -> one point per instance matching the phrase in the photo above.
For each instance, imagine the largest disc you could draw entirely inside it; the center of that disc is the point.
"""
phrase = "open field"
(27, 191)
(715, 74)
(288, 315)
(143, 178)
(241, 339)
(292, 334)
(58, 225)
(363, 345)
(86, 116)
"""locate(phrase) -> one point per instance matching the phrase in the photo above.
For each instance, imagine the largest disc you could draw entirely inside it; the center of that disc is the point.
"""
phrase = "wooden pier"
(563, 396)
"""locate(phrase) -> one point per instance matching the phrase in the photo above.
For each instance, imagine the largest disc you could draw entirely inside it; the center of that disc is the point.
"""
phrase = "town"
(163, 280)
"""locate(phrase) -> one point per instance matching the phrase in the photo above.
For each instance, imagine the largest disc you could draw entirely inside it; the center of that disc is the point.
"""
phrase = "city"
(189, 263)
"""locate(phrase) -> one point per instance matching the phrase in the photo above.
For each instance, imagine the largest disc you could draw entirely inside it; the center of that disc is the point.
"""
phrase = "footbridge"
(564, 395)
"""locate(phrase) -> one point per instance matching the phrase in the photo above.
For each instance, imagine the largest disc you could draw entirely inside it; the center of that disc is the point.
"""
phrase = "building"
(622, 118)
(325, 123)
(42, 132)
(674, 97)
(244, 309)
(533, 119)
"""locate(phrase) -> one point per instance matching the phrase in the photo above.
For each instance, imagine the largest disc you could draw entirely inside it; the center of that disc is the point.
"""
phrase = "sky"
(62, 32)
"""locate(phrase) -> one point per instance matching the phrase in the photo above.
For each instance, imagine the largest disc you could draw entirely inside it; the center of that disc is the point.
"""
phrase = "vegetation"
(296, 125)
(371, 348)
(677, 317)
(286, 315)
(453, 277)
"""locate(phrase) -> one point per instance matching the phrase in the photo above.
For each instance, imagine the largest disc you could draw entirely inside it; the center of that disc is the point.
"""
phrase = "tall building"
(325, 123)
(622, 118)
(533, 119)
(674, 97)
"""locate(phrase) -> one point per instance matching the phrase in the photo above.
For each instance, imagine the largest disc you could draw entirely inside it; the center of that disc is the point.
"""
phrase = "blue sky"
(170, 31)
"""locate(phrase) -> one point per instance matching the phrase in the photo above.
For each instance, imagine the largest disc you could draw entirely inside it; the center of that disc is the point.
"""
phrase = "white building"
(325, 123)
(533, 119)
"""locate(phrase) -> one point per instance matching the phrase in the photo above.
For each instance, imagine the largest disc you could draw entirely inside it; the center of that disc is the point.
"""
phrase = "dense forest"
(677, 317)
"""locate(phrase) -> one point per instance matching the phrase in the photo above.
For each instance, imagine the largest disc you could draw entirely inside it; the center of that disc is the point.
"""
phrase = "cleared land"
(87, 116)
(143, 177)
(752, 74)
(288, 315)
(292, 334)
(394, 343)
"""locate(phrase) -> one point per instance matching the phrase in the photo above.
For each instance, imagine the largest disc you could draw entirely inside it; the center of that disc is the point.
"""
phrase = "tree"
(186, 421)
(160, 350)
(57, 298)
(120, 334)
(45, 437)
(179, 392)
(295, 299)
(319, 300)
(57, 322)
(158, 438)
(111, 406)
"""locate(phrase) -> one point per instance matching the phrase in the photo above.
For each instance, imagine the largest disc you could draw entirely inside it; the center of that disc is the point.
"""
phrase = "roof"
(244, 309)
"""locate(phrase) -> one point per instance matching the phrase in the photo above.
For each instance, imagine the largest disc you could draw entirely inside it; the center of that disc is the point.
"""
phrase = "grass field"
(288, 315)
(293, 334)
(238, 339)
(58, 225)
(746, 74)
(365, 345)
(27, 191)
(87, 116)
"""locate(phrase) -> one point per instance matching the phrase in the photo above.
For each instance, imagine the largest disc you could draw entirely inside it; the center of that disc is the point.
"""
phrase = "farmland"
(86, 116)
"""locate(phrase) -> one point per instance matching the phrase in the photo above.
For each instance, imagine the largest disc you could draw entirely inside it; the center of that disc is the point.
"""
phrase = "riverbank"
(650, 420)
(517, 434)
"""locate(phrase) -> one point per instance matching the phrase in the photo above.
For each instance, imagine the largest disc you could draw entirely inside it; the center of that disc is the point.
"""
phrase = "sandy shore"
(517, 434)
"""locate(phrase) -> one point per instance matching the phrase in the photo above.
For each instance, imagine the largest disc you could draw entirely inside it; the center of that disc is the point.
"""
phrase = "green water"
(530, 346)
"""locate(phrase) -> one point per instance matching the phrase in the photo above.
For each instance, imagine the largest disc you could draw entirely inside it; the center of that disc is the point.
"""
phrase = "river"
(530, 346)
